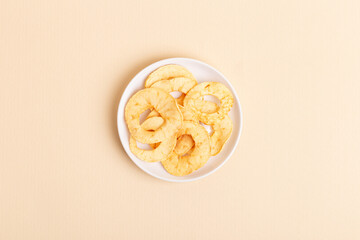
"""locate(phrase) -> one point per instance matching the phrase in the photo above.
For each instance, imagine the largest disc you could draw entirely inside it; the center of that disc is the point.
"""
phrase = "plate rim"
(236, 99)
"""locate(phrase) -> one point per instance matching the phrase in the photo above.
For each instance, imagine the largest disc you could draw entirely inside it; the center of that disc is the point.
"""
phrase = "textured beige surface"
(294, 64)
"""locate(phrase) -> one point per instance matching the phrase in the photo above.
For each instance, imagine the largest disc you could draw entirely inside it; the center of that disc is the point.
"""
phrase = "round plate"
(203, 73)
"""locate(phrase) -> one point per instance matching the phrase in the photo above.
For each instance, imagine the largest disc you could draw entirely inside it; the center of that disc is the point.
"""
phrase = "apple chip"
(183, 165)
(222, 131)
(167, 72)
(194, 100)
(164, 104)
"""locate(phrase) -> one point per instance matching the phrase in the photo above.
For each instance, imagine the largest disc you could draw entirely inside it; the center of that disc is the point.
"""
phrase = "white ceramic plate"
(203, 73)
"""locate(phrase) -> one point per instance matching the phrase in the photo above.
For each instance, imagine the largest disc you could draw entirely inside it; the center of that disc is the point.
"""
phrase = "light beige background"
(295, 66)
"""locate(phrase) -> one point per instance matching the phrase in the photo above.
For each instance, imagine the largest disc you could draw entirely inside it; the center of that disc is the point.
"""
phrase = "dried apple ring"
(164, 104)
(180, 84)
(183, 165)
(167, 72)
(160, 153)
(194, 100)
(222, 131)
(153, 123)
(183, 144)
